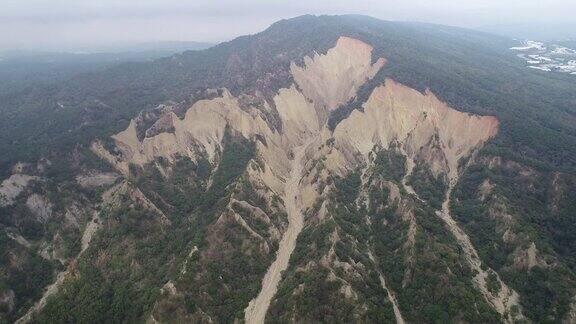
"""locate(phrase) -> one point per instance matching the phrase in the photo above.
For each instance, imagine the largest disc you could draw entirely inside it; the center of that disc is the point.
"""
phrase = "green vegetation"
(25, 272)
(390, 164)
(429, 276)
(316, 294)
(226, 275)
(119, 276)
(493, 284)
(429, 187)
(117, 279)
(540, 214)
(431, 279)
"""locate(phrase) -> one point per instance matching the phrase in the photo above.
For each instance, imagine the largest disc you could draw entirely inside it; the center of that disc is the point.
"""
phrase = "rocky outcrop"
(40, 207)
(12, 187)
(96, 179)
(332, 79)
(423, 128)
(396, 113)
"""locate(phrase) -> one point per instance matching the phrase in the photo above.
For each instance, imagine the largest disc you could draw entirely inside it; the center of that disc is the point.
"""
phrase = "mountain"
(327, 169)
(21, 69)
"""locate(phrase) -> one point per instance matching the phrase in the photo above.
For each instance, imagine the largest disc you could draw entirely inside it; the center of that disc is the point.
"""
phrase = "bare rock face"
(332, 79)
(421, 126)
(40, 207)
(397, 113)
(12, 187)
(528, 258)
(96, 179)
(164, 124)
(324, 83)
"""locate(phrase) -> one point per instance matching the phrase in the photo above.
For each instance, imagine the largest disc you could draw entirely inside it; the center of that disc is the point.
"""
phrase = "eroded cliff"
(425, 131)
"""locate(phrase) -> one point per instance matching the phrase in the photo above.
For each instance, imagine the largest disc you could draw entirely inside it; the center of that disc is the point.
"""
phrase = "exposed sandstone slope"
(395, 113)
(12, 187)
(398, 113)
(327, 81)
(332, 79)
(201, 132)
(256, 310)
(40, 207)
(425, 129)
(96, 179)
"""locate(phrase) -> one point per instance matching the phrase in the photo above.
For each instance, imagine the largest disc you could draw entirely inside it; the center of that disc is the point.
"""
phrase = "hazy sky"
(70, 24)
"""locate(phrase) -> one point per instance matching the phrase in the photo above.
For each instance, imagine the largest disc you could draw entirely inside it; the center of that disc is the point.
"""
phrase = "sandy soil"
(409, 168)
(12, 187)
(18, 238)
(91, 229)
(391, 296)
(506, 298)
(97, 179)
(256, 310)
(50, 290)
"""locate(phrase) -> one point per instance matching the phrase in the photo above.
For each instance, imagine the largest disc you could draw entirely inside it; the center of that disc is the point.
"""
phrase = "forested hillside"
(430, 174)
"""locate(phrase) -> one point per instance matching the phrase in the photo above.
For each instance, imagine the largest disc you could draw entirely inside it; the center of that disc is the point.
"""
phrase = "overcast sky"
(70, 24)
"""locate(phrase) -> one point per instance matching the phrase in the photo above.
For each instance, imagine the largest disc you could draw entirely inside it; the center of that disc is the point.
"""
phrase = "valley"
(256, 310)
(327, 169)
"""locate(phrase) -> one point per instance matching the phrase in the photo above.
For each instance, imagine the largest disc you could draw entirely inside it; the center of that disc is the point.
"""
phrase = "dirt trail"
(391, 296)
(256, 310)
(506, 298)
(409, 169)
(50, 290)
(89, 231)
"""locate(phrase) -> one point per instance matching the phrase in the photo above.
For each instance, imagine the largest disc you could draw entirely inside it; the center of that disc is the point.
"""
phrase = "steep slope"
(256, 310)
(327, 169)
(392, 114)
(430, 132)
(205, 123)
(333, 79)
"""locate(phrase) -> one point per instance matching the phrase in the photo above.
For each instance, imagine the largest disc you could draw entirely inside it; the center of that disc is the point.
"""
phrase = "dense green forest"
(117, 279)
(515, 198)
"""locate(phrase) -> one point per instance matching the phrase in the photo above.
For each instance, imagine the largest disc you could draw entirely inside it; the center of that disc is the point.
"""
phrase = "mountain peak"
(329, 168)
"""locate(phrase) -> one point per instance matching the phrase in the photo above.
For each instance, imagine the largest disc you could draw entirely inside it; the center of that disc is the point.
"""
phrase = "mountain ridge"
(390, 153)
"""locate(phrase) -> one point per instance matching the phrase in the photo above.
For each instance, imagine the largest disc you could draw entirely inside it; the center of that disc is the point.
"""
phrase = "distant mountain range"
(146, 47)
(21, 68)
